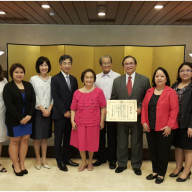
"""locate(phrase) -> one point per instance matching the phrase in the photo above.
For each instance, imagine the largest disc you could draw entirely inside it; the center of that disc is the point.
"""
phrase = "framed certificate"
(122, 110)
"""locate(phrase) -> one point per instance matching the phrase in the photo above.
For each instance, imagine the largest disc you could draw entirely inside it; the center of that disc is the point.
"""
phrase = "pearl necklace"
(44, 79)
(159, 89)
(88, 91)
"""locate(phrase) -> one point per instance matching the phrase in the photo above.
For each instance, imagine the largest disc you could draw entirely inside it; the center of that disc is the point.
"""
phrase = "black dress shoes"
(62, 166)
(151, 177)
(97, 163)
(176, 175)
(112, 165)
(71, 163)
(120, 169)
(159, 180)
(183, 180)
(137, 171)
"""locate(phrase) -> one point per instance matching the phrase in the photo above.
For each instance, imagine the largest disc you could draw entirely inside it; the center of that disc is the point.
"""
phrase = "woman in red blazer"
(159, 119)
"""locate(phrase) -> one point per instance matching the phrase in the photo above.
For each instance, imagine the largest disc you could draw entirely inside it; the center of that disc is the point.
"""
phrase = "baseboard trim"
(75, 153)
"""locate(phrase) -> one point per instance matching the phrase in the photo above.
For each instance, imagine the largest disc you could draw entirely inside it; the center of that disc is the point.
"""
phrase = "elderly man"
(130, 86)
(104, 81)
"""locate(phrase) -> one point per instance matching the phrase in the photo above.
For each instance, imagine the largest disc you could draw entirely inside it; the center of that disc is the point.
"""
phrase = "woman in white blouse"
(3, 128)
(42, 123)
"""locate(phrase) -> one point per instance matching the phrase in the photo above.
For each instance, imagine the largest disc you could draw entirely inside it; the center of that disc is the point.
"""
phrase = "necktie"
(68, 82)
(129, 86)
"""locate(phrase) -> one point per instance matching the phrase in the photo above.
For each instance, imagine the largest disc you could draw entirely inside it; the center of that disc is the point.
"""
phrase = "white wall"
(94, 35)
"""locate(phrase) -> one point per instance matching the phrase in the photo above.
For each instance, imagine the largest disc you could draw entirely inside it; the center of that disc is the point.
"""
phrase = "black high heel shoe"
(24, 171)
(176, 175)
(183, 180)
(17, 174)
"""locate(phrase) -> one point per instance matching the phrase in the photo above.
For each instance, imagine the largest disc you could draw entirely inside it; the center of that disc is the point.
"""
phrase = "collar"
(108, 74)
(64, 74)
(132, 76)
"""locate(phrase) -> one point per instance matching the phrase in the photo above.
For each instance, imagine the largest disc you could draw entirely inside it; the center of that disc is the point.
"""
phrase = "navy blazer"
(62, 95)
(186, 106)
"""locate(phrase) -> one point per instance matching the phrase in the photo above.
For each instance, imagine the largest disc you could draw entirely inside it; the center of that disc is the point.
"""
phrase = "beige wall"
(94, 35)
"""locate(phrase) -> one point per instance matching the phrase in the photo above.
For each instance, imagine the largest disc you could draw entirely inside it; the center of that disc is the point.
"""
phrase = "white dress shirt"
(132, 78)
(105, 82)
(42, 90)
(65, 76)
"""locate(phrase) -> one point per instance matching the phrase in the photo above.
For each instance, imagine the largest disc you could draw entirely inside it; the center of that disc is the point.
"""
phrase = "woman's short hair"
(185, 63)
(166, 74)
(86, 71)
(15, 66)
(40, 61)
(1, 73)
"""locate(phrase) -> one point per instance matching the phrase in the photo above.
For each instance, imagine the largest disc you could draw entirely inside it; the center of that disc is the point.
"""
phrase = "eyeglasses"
(129, 64)
(108, 63)
(187, 71)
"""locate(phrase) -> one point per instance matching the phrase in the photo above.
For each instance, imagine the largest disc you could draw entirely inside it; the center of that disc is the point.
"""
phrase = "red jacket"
(167, 109)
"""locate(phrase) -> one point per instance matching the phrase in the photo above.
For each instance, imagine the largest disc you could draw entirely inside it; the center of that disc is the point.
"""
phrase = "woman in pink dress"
(87, 118)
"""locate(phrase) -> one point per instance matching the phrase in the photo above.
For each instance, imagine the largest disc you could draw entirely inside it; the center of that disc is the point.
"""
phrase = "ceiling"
(85, 12)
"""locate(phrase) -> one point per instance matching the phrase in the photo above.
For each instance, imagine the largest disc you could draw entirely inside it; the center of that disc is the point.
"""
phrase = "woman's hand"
(145, 127)
(167, 131)
(102, 124)
(189, 132)
(25, 120)
(46, 112)
(74, 126)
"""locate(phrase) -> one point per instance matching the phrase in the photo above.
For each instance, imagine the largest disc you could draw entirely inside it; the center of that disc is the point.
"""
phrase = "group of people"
(27, 110)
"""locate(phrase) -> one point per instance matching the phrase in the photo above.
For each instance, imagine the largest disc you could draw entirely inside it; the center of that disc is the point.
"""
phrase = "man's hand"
(138, 111)
(67, 114)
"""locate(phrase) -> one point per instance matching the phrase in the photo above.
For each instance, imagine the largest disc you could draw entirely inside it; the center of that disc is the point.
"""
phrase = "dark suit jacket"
(14, 103)
(61, 94)
(186, 106)
(140, 87)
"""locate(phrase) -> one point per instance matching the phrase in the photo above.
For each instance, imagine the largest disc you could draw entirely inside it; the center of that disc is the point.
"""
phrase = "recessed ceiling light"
(101, 14)
(158, 6)
(52, 13)
(45, 6)
(2, 13)
(190, 54)
(1, 52)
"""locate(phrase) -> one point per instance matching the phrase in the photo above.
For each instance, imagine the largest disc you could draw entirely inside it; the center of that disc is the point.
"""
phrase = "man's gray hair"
(105, 56)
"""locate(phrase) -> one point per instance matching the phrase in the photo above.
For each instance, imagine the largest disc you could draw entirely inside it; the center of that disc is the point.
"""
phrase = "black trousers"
(159, 148)
(102, 155)
(62, 130)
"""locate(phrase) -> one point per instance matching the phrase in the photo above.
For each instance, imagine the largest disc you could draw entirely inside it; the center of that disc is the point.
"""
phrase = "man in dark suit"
(63, 86)
(130, 86)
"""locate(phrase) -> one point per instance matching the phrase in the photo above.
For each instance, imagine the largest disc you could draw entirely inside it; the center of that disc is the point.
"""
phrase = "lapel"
(163, 94)
(188, 87)
(150, 93)
(136, 83)
(123, 84)
(72, 83)
(64, 81)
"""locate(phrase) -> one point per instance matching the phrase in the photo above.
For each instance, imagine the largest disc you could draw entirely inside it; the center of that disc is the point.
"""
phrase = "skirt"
(42, 126)
(86, 138)
(181, 139)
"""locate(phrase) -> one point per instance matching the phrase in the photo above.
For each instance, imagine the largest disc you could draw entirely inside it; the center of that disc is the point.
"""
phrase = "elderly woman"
(183, 136)
(87, 118)
(3, 129)
(42, 122)
(19, 98)
(159, 119)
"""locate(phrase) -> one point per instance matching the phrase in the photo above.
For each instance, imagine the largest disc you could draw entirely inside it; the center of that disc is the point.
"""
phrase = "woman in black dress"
(19, 99)
(183, 137)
